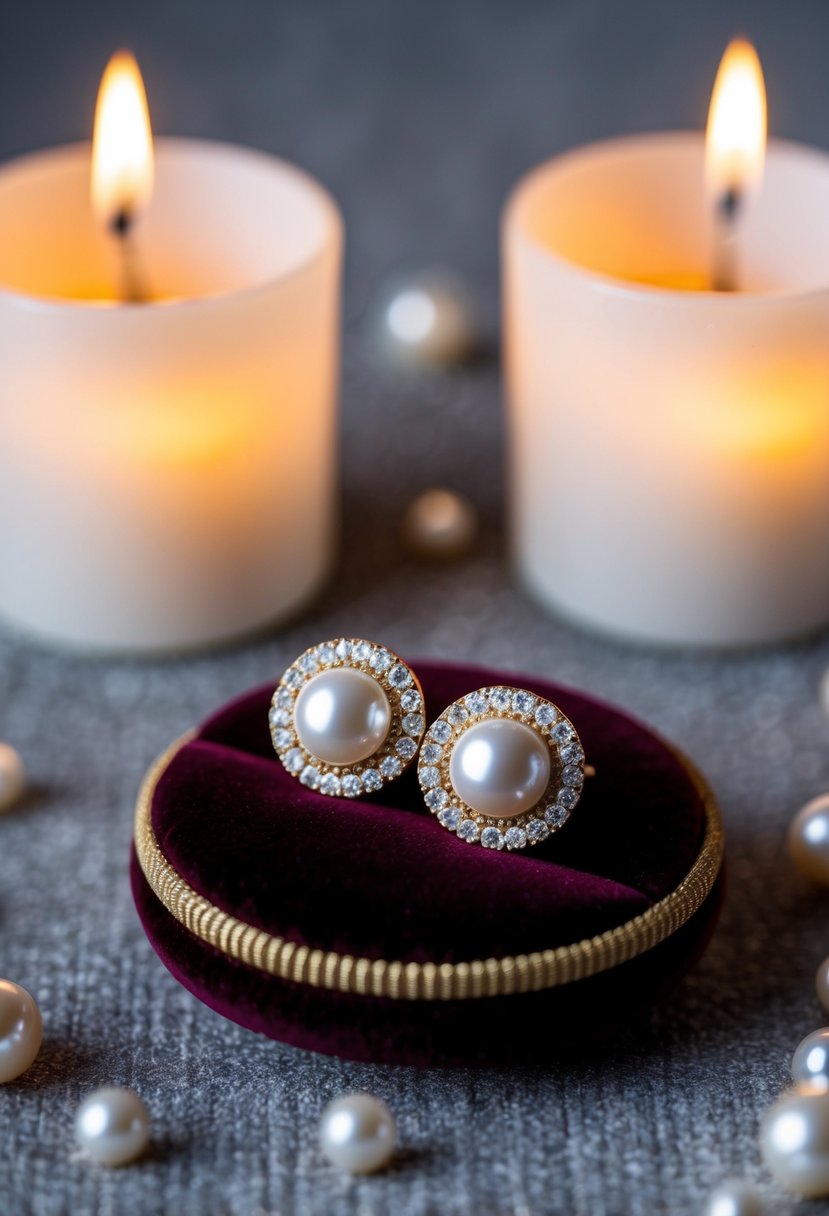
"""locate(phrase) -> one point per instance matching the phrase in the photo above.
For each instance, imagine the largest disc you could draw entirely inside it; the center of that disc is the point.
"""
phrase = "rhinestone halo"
(566, 768)
(399, 748)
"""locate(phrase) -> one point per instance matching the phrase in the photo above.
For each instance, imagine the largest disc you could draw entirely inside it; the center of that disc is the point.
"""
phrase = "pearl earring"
(502, 767)
(347, 717)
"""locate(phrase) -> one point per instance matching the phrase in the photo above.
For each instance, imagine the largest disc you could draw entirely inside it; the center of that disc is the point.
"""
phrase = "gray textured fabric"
(419, 117)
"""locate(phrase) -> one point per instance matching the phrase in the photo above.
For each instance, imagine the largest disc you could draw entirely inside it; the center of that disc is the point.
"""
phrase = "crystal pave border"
(566, 767)
(397, 980)
(405, 697)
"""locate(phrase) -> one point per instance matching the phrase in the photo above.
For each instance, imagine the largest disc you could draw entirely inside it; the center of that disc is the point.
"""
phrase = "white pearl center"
(500, 768)
(342, 716)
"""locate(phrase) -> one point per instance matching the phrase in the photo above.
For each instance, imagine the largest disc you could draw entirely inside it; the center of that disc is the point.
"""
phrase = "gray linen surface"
(419, 117)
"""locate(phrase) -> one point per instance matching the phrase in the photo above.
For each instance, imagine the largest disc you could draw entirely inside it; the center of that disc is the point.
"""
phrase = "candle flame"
(122, 144)
(735, 140)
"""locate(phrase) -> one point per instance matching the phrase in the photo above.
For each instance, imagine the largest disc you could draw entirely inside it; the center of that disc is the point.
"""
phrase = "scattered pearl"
(734, 1198)
(430, 320)
(12, 777)
(794, 1140)
(440, 524)
(21, 1030)
(810, 1062)
(500, 768)
(357, 1133)
(113, 1126)
(342, 716)
(809, 839)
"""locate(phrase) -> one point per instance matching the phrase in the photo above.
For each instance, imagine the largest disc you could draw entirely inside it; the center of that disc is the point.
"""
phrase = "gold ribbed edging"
(424, 981)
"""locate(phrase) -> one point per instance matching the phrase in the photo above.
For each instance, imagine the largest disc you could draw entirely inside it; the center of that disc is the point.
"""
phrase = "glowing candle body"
(670, 448)
(167, 470)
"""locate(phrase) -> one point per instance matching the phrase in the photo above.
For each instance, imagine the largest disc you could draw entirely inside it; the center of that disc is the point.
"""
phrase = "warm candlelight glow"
(122, 145)
(735, 140)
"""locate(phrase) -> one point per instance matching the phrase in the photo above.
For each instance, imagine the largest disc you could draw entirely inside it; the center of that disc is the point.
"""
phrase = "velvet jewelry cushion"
(383, 934)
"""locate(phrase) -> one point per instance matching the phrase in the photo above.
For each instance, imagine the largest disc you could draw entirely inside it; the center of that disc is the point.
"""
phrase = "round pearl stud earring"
(346, 717)
(502, 767)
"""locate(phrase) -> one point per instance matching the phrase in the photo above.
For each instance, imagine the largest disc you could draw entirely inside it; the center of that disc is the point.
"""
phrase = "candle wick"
(121, 223)
(132, 289)
(728, 204)
(726, 217)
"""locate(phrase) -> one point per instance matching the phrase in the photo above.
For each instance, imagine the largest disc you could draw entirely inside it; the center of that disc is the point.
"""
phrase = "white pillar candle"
(670, 445)
(167, 469)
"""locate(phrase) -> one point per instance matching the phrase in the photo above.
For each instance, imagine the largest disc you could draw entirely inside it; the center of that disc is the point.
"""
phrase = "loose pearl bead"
(430, 321)
(735, 1198)
(12, 777)
(21, 1030)
(440, 524)
(357, 1133)
(794, 1139)
(809, 839)
(342, 716)
(810, 1062)
(113, 1126)
(500, 768)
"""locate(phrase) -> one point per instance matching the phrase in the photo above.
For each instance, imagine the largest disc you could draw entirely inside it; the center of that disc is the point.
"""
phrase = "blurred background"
(419, 116)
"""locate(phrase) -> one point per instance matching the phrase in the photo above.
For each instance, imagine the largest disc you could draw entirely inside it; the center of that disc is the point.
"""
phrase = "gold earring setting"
(347, 717)
(502, 767)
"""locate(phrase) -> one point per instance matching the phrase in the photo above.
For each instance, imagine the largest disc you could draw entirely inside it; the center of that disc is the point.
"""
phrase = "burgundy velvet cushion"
(381, 878)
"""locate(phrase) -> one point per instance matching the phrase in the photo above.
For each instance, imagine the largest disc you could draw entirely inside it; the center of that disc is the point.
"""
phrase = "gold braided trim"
(424, 981)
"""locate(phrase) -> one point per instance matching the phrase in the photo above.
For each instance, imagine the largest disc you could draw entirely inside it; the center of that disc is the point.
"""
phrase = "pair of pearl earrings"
(501, 766)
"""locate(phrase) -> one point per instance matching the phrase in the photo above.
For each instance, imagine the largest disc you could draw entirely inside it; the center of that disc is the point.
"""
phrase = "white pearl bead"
(357, 1133)
(21, 1030)
(809, 839)
(734, 1198)
(342, 716)
(810, 1062)
(440, 524)
(430, 321)
(794, 1139)
(113, 1126)
(12, 777)
(500, 768)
